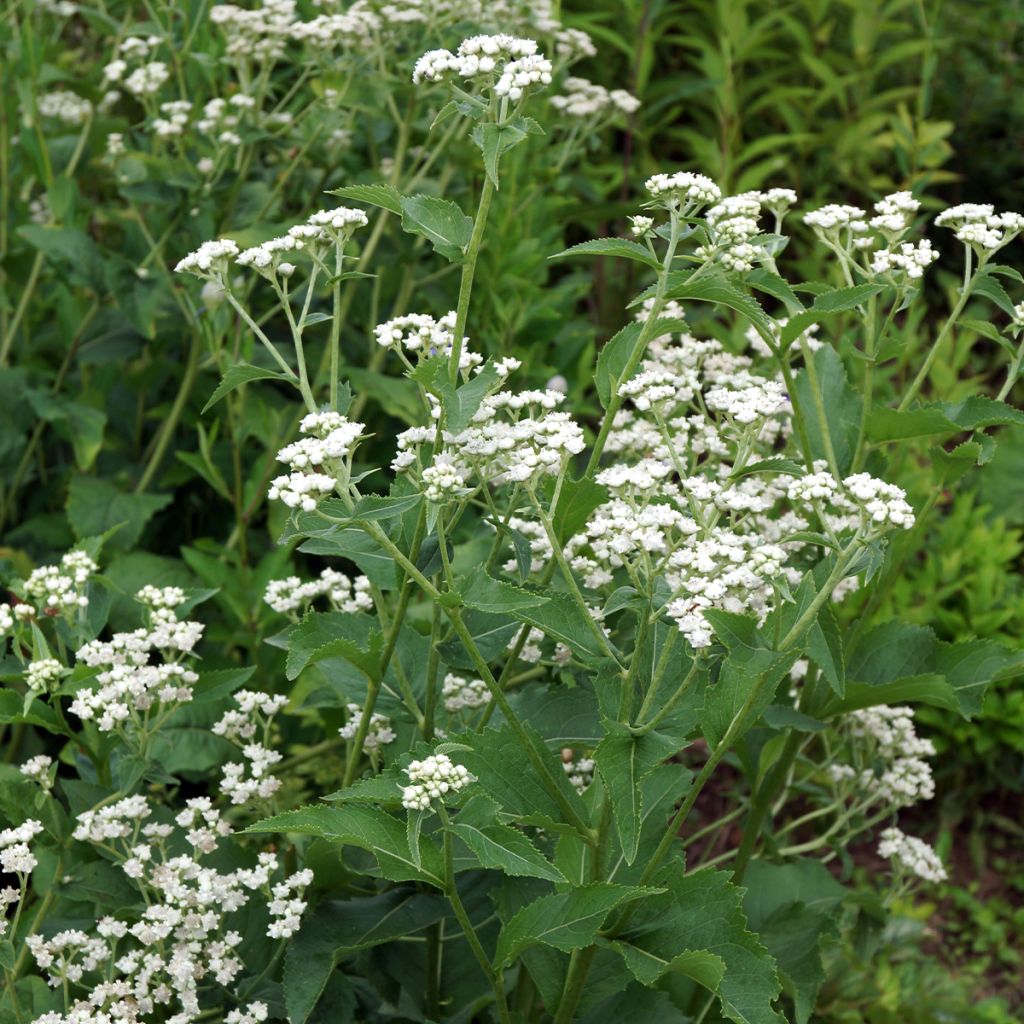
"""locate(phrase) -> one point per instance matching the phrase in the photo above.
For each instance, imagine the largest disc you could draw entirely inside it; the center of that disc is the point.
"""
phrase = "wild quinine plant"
(544, 635)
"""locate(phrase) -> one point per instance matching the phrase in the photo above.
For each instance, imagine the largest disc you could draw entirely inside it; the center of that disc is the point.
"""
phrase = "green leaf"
(562, 619)
(623, 761)
(238, 375)
(794, 907)
(615, 354)
(972, 413)
(827, 304)
(440, 221)
(507, 850)
(703, 966)
(899, 662)
(770, 283)
(96, 505)
(339, 928)
(334, 634)
(505, 772)
(461, 403)
(495, 140)
(384, 196)
(13, 711)
(721, 292)
(772, 464)
(565, 920)
(842, 407)
(826, 649)
(576, 501)
(357, 546)
(368, 828)
(986, 284)
(701, 912)
(486, 594)
(385, 788)
(378, 507)
(68, 244)
(612, 247)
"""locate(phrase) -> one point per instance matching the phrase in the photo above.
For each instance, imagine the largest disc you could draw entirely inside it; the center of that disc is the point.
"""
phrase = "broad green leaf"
(70, 244)
(494, 140)
(239, 374)
(563, 620)
(377, 507)
(564, 920)
(384, 789)
(576, 501)
(702, 966)
(840, 300)
(339, 928)
(612, 247)
(771, 465)
(96, 505)
(355, 545)
(721, 292)
(794, 907)
(486, 594)
(368, 828)
(14, 711)
(505, 773)
(842, 407)
(334, 634)
(972, 413)
(508, 850)
(826, 649)
(986, 284)
(218, 683)
(623, 761)
(461, 403)
(702, 912)
(770, 283)
(616, 353)
(898, 661)
(384, 196)
(440, 221)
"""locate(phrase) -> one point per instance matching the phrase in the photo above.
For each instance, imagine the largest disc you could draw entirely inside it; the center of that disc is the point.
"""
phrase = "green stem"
(468, 273)
(922, 374)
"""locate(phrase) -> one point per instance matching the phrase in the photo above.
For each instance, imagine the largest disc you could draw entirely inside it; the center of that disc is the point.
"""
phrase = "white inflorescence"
(506, 64)
(431, 779)
(979, 226)
(912, 854)
(685, 189)
(460, 693)
(345, 594)
(583, 99)
(379, 733)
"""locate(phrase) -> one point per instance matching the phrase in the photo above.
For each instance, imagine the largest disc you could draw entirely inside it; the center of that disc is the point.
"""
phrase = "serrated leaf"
(839, 300)
(384, 196)
(702, 912)
(562, 619)
(972, 413)
(368, 828)
(339, 928)
(842, 405)
(236, 376)
(566, 921)
(461, 403)
(334, 634)
(722, 292)
(825, 647)
(703, 966)
(494, 140)
(770, 283)
(486, 594)
(898, 662)
(576, 501)
(622, 247)
(507, 849)
(385, 788)
(615, 354)
(440, 221)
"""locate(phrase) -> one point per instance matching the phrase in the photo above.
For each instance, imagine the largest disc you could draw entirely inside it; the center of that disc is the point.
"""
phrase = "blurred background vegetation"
(842, 100)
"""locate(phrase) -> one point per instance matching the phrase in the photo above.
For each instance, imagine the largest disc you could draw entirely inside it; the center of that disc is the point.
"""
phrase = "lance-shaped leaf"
(368, 828)
(440, 221)
(239, 374)
(508, 850)
(564, 920)
(622, 247)
(842, 407)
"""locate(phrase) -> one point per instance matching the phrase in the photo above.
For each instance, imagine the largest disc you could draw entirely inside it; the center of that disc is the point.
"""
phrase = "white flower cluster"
(378, 735)
(460, 693)
(422, 334)
(210, 260)
(155, 961)
(906, 260)
(345, 594)
(248, 726)
(506, 64)
(732, 224)
(64, 106)
(877, 505)
(683, 189)
(912, 854)
(61, 588)
(16, 857)
(331, 440)
(44, 674)
(580, 771)
(979, 226)
(442, 480)
(260, 34)
(431, 779)
(846, 225)
(586, 99)
(892, 755)
(38, 770)
(133, 695)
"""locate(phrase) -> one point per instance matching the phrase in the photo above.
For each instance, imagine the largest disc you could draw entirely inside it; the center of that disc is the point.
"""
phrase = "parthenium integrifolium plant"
(560, 629)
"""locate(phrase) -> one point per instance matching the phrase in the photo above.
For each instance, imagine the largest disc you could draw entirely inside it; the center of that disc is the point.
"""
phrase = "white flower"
(379, 733)
(460, 693)
(209, 260)
(907, 260)
(912, 854)
(44, 673)
(431, 779)
(683, 188)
